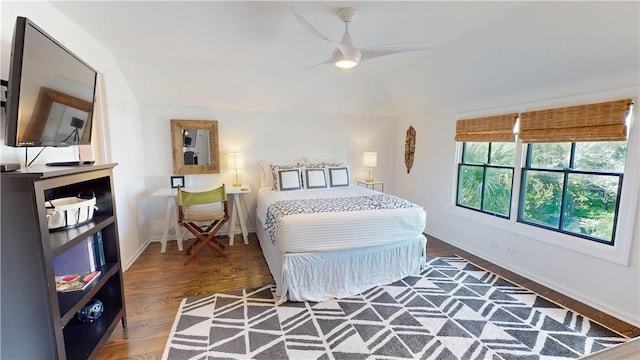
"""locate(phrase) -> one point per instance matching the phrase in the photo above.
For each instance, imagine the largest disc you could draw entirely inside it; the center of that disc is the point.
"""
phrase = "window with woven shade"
(604, 121)
(497, 128)
(572, 176)
(485, 171)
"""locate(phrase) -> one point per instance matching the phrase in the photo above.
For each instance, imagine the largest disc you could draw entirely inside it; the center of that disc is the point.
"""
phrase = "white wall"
(609, 286)
(277, 137)
(118, 125)
(606, 285)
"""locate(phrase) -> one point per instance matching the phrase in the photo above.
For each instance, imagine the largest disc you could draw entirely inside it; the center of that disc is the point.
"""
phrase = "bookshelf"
(36, 321)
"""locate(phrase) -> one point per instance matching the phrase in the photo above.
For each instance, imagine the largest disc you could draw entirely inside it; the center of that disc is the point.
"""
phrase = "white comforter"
(332, 231)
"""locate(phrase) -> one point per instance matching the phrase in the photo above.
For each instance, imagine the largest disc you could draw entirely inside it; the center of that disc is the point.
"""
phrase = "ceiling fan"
(346, 55)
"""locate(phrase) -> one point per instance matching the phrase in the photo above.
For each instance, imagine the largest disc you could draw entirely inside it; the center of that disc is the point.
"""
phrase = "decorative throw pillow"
(338, 176)
(315, 178)
(321, 164)
(289, 180)
(276, 176)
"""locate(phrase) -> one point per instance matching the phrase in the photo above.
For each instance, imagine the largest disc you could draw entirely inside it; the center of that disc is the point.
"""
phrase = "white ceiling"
(254, 55)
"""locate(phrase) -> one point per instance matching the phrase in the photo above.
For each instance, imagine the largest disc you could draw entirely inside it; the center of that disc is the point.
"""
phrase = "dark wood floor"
(156, 283)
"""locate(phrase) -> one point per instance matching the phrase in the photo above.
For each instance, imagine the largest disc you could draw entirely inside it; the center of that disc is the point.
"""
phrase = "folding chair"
(203, 214)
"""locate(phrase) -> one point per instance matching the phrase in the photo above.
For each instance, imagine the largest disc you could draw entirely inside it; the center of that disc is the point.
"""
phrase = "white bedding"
(319, 256)
(319, 276)
(331, 231)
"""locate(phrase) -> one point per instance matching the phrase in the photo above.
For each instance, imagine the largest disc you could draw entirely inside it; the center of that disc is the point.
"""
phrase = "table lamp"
(370, 160)
(236, 162)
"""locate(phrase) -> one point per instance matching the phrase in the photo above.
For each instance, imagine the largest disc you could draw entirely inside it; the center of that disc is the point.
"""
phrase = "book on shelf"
(92, 253)
(75, 282)
(98, 248)
(79, 259)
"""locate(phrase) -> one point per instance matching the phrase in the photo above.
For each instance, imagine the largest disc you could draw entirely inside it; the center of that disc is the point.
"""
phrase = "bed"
(338, 240)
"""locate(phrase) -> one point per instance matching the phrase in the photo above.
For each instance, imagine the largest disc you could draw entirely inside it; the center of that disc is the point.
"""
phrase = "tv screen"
(50, 94)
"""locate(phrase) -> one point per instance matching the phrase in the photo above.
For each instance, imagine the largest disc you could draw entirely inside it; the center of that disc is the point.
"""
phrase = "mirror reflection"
(195, 146)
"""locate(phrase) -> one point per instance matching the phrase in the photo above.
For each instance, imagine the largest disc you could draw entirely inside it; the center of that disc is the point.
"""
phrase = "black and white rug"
(452, 310)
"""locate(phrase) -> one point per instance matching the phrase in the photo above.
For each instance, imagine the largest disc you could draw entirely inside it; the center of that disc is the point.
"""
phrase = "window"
(572, 178)
(569, 192)
(573, 187)
(485, 177)
(485, 171)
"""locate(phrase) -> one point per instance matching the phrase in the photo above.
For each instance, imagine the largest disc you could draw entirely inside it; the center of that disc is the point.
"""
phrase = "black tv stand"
(72, 163)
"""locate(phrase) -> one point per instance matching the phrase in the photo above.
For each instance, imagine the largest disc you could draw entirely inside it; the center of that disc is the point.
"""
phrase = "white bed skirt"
(320, 276)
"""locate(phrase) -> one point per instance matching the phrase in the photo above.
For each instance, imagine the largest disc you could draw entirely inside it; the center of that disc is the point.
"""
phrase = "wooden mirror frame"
(179, 167)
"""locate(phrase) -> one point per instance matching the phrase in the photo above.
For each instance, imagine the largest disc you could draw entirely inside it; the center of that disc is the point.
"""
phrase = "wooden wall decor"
(209, 161)
(409, 148)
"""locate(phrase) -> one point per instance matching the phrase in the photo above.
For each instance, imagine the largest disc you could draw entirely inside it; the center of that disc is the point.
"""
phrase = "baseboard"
(135, 256)
(543, 281)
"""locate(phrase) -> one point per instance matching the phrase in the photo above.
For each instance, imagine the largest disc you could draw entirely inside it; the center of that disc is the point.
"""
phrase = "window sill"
(617, 253)
(612, 253)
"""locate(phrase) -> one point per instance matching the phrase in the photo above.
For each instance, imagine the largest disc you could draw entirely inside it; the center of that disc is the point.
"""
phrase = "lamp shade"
(236, 160)
(370, 159)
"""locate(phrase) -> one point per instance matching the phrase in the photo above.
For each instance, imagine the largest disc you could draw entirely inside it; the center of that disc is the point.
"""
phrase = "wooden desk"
(170, 217)
(171, 220)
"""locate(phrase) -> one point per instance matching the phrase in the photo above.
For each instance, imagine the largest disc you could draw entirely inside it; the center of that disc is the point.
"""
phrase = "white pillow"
(289, 180)
(315, 179)
(275, 176)
(265, 174)
(338, 176)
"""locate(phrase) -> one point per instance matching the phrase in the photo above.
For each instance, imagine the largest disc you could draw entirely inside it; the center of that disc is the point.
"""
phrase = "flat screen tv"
(51, 91)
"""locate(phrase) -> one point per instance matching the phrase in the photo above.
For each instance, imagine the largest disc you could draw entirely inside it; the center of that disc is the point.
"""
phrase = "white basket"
(69, 212)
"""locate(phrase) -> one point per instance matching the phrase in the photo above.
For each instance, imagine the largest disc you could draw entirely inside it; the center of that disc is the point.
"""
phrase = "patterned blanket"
(280, 209)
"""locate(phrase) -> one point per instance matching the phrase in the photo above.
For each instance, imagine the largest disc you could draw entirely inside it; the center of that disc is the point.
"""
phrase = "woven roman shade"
(593, 122)
(497, 128)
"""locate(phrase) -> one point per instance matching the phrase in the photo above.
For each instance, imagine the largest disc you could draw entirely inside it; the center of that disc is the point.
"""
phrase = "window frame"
(484, 167)
(510, 231)
(563, 196)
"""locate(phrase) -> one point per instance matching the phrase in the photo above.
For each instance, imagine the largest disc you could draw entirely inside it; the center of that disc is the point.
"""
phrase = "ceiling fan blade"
(312, 28)
(328, 61)
(371, 52)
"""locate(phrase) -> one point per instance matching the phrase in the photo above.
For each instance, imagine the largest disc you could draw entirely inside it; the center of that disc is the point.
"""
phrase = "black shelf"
(63, 240)
(82, 339)
(38, 322)
(71, 302)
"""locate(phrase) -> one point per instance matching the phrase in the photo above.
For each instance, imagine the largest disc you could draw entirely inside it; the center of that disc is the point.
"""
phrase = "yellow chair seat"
(203, 213)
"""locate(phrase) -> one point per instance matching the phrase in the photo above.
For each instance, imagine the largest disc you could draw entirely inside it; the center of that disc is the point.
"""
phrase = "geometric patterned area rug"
(453, 309)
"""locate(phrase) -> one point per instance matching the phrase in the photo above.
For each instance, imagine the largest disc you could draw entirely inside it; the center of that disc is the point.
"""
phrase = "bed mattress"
(340, 230)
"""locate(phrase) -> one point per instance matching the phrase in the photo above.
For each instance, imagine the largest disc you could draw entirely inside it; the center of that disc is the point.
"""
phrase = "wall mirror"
(195, 146)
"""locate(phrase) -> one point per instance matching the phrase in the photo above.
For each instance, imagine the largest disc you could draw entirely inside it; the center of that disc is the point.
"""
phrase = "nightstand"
(372, 185)
(237, 213)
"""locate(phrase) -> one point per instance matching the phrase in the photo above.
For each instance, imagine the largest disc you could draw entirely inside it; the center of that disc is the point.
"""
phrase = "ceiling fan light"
(345, 64)
(348, 60)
